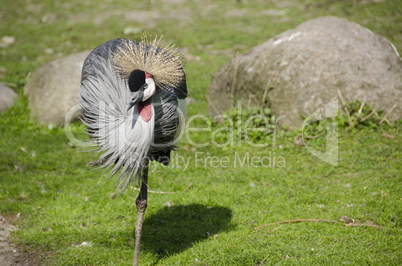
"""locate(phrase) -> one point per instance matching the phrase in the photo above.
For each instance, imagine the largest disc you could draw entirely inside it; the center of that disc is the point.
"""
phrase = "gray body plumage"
(124, 138)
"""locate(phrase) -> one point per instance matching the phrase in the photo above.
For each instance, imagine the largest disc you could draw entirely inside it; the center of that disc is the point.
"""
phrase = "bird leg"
(141, 203)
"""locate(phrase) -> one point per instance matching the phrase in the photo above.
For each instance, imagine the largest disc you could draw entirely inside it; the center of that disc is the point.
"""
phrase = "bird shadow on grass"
(174, 229)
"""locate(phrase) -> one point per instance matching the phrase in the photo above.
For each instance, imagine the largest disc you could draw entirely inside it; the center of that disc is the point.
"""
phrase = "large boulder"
(303, 68)
(7, 97)
(52, 89)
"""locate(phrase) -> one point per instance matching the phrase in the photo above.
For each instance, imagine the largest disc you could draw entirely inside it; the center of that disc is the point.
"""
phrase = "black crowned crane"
(131, 95)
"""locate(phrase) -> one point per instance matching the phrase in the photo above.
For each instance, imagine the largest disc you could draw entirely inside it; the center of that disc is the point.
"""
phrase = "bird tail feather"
(122, 136)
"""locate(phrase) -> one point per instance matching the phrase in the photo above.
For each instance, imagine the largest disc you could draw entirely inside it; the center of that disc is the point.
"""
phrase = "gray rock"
(52, 89)
(301, 70)
(7, 97)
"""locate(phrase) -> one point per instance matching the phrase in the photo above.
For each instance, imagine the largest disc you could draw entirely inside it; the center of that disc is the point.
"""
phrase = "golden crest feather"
(162, 61)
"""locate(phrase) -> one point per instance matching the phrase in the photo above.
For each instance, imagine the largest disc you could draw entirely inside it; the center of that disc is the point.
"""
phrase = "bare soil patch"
(9, 253)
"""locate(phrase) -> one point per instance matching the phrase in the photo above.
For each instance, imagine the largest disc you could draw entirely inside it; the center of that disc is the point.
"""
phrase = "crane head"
(142, 87)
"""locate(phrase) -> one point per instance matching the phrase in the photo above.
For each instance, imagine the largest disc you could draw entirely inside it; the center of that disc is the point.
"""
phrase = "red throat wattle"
(145, 110)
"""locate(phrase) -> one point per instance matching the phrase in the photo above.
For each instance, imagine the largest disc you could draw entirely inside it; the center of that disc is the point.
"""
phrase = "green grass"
(62, 203)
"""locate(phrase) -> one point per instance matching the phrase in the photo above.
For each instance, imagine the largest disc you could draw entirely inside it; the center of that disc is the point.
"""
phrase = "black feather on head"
(136, 80)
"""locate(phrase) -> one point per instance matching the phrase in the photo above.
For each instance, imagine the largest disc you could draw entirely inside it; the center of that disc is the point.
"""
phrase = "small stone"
(216, 236)
(8, 97)
(348, 185)
(131, 30)
(299, 142)
(86, 244)
(7, 41)
(347, 220)
(385, 135)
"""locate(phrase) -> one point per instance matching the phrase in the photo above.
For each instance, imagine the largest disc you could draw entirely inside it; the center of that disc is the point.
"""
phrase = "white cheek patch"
(150, 90)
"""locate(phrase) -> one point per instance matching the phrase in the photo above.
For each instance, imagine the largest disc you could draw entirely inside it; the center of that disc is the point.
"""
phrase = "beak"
(135, 97)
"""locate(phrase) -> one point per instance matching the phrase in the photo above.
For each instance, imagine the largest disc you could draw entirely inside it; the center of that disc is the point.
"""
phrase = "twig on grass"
(389, 123)
(351, 124)
(276, 228)
(261, 262)
(164, 192)
(362, 105)
(318, 220)
(297, 221)
(153, 191)
(364, 225)
(385, 116)
(373, 112)
(286, 170)
(189, 185)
